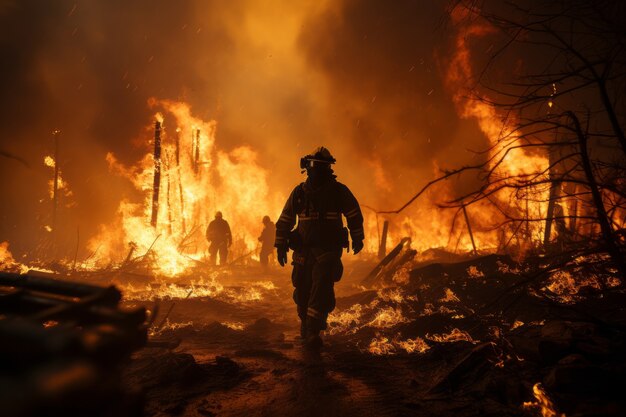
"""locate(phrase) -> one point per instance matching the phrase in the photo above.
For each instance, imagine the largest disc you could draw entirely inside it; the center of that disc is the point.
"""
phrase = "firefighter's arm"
(209, 233)
(284, 225)
(354, 217)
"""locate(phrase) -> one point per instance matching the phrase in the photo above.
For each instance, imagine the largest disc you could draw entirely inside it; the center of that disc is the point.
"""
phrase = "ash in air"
(346, 207)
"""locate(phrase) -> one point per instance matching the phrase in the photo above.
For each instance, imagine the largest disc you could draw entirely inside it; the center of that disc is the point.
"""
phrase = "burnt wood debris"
(63, 347)
(495, 286)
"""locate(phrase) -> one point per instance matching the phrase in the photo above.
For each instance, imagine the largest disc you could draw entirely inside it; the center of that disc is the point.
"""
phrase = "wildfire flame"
(542, 403)
(381, 345)
(197, 179)
(204, 287)
(509, 164)
(62, 185)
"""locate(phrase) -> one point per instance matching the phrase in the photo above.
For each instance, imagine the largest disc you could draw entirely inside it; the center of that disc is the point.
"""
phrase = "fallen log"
(371, 277)
(62, 344)
(39, 281)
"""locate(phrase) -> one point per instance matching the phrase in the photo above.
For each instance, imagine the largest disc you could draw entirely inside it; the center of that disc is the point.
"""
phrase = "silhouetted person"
(267, 240)
(562, 233)
(220, 239)
(318, 204)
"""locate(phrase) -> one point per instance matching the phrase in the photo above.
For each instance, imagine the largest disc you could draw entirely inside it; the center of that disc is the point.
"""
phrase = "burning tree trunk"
(382, 248)
(554, 195)
(157, 173)
(603, 219)
(196, 151)
(555, 177)
(55, 186)
(571, 191)
(469, 229)
(180, 183)
(169, 186)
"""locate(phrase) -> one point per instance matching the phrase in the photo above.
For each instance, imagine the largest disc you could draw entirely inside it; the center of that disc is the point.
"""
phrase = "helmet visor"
(306, 163)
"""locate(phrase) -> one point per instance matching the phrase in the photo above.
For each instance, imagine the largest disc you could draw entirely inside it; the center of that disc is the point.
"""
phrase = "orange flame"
(507, 162)
(542, 403)
(197, 179)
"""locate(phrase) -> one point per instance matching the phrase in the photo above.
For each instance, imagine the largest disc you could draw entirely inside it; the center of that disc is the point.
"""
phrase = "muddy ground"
(234, 350)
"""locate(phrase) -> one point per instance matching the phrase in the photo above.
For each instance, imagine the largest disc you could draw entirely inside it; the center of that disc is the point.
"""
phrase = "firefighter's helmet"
(320, 156)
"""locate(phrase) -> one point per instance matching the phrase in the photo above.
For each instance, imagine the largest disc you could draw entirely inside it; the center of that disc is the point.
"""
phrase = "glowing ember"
(517, 324)
(372, 315)
(5, 255)
(169, 326)
(346, 321)
(395, 295)
(388, 317)
(200, 288)
(61, 184)
(542, 403)
(566, 286)
(382, 345)
(234, 325)
(454, 336)
(474, 272)
(8, 263)
(449, 297)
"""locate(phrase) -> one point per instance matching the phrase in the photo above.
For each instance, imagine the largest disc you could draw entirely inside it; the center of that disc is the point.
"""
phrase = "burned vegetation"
(497, 288)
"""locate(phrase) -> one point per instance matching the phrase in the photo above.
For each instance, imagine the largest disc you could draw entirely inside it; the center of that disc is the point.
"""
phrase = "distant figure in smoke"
(220, 239)
(562, 234)
(318, 204)
(267, 240)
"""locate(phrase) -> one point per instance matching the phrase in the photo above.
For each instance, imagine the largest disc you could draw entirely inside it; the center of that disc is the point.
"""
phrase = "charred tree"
(157, 174)
(605, 225)
(55, 184)
(168, 195)
(382, 248)
(180, 182)
(552, 201)
(196, 152)
(469, 230)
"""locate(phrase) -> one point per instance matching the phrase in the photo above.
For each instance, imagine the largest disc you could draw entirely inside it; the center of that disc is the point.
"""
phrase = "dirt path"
(274, 374)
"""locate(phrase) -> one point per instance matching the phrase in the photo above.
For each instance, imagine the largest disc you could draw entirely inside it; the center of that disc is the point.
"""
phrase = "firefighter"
(267, 239)
(220, 239)
(318, 241)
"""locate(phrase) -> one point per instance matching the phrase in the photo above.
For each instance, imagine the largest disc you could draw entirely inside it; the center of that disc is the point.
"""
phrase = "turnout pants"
(222, 249)
(315, 272)
(264, 255)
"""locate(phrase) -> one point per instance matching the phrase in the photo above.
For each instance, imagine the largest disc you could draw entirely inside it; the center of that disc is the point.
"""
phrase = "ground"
(230, 347)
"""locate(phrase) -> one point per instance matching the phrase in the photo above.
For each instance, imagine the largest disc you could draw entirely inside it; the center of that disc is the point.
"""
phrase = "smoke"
(386, 95)
(363, 78)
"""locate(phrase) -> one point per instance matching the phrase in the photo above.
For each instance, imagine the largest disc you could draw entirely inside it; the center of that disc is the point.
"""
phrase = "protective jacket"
(318, 213)
(317, 242)
(267, 237)
(218, 232)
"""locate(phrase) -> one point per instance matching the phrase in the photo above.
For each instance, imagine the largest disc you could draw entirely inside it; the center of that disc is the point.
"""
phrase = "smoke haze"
(363, 78)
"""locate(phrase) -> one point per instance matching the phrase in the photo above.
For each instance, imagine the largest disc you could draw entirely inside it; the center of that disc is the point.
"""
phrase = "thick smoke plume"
(364, 78)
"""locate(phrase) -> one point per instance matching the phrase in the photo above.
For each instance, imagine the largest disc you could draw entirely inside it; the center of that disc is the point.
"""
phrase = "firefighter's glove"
(357, 245)
(282, 255)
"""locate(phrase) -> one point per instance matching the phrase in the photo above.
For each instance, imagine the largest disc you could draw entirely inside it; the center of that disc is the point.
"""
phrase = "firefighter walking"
(219, 237)
(267, 241)
(318, 241)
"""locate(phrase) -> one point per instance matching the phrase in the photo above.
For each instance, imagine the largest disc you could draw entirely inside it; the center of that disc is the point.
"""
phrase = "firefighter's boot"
(303, 329)
(313, 339)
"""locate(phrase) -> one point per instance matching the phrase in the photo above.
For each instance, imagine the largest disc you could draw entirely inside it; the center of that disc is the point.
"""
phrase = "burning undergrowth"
(208, 286)
(416, 307)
